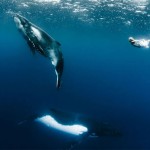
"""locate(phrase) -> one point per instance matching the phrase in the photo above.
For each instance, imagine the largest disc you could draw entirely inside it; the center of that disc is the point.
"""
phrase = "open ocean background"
(104, 77)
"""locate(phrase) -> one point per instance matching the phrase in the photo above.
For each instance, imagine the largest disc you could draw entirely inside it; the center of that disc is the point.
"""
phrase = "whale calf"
(39, 41)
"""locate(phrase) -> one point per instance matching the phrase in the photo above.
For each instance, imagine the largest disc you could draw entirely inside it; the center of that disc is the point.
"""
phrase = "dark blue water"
(104, 77)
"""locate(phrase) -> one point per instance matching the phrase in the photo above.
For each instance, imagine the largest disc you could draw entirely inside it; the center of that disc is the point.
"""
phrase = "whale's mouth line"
(19, 24)
(17, 20)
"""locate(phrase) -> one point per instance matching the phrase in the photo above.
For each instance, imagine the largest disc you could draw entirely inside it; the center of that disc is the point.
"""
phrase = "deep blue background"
(104, 78)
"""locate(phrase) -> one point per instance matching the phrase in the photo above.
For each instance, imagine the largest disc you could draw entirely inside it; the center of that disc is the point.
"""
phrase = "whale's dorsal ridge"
(58, 43)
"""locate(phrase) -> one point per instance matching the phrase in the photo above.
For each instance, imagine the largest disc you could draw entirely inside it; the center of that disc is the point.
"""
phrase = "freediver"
(141, 43)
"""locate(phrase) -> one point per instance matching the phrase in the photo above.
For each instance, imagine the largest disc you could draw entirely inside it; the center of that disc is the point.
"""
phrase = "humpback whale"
(78, 125)
(39, 41)
(90, 126)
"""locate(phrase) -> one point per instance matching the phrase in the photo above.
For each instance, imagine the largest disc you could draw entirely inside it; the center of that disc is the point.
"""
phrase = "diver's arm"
(136, 43)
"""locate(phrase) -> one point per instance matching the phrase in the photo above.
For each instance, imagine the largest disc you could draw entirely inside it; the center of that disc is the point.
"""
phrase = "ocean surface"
(104, 78)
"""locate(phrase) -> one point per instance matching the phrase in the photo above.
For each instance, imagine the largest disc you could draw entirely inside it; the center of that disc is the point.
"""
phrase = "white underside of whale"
(75, 129)
(36, 33)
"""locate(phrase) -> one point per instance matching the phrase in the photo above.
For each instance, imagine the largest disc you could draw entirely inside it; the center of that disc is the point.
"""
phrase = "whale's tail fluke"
(59, 71)
(58, 82)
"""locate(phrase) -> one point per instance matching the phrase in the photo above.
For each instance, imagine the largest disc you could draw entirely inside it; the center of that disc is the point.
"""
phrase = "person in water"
(141, 43)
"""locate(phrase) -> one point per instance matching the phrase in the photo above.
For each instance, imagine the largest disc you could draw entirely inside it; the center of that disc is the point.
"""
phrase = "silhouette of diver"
(141, 43)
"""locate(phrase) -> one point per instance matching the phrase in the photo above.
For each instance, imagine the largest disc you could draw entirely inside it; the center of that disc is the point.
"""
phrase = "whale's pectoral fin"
(41, 51)
(59, 70)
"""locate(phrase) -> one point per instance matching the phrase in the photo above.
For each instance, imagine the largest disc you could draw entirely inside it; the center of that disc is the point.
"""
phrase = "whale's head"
(22, 23)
